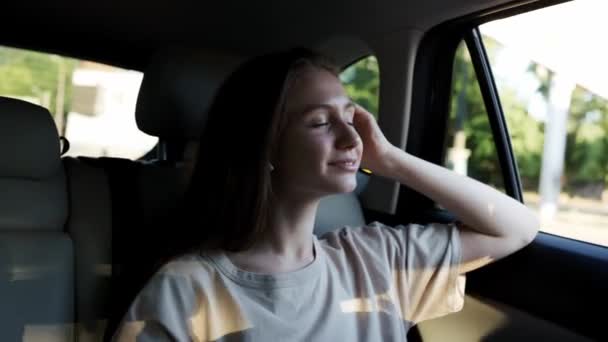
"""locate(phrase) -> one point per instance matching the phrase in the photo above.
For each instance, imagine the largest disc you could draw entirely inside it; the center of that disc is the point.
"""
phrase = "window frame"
(433, 74)
(496, 116)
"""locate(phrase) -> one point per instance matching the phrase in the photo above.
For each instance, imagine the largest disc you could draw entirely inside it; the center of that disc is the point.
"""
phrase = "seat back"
(90, 227)
(121, 209)
(36, 254)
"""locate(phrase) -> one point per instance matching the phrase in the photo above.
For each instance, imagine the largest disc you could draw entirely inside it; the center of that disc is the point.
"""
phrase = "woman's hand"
(376, 148)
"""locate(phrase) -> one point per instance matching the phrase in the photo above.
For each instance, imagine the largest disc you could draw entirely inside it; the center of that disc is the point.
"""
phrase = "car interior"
(80, 235)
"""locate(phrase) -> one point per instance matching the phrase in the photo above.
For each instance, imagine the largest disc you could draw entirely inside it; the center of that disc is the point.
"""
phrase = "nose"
(347, 138)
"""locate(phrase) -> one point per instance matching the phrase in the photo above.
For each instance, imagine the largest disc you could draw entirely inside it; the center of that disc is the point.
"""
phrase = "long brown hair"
(230, 196)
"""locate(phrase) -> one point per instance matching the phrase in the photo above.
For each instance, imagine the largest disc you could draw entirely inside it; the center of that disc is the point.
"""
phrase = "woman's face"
(320, 150)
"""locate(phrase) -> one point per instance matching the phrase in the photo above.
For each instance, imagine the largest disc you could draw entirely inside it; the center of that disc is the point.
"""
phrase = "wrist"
(390, 161)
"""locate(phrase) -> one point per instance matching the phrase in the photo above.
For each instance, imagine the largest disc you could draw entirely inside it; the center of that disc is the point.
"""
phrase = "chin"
(332, 185)
(344, 186)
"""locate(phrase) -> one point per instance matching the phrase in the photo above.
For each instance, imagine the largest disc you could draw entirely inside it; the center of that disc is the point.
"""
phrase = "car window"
(92, 104)
(469, 148)
(550, 70)
(362, 83)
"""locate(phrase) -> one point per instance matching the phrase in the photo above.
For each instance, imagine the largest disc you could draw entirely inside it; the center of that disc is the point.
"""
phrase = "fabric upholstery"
(177, 89)
(33, 195)
(36, 255)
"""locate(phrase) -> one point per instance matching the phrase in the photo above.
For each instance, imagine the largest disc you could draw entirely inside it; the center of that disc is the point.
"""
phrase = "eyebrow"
(312, 107)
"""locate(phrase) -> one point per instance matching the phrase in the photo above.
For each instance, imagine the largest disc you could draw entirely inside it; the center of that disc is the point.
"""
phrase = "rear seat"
(36, 253)
(122, 208)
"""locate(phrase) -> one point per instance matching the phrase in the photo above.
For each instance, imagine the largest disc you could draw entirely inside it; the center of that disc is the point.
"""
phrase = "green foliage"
(362, 83)
(17, 80)
(587, 140)
(33, 74)
(527, 138)
(468, 113)
(544, 77)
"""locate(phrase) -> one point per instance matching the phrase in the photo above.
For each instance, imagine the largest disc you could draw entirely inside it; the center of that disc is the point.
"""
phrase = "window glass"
(93, 105)
(362, 83)
(551, 72)
(470, 148)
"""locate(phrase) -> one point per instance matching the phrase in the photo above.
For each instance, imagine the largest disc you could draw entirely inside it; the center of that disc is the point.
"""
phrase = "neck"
(291, 228)
(288, 243)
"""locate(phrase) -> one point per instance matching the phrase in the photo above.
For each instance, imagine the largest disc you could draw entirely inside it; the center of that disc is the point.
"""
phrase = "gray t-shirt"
(369, 283)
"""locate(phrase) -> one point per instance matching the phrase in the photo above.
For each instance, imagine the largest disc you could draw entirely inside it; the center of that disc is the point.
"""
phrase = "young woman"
(281, 135)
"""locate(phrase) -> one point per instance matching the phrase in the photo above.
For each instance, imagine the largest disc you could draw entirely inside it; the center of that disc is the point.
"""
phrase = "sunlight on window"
(550, 68)
(93, 105)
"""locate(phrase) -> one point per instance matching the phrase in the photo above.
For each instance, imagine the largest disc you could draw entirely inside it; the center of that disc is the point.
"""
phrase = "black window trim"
(496, 117)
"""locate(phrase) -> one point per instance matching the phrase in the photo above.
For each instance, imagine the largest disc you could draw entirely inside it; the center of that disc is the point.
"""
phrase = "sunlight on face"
(320, 151)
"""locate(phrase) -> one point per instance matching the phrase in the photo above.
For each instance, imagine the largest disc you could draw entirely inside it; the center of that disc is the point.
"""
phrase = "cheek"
(318, 148)
(309, 151)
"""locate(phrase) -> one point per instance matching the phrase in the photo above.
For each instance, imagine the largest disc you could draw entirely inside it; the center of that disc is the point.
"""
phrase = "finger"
(360, 109)
(360, 122)
(360, 113)
(364, 112)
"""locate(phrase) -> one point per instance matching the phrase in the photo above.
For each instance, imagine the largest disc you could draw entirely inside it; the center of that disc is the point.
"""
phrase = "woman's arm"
(495, 225)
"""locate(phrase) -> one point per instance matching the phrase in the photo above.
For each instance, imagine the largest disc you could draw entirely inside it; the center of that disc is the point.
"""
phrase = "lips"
(346, 164)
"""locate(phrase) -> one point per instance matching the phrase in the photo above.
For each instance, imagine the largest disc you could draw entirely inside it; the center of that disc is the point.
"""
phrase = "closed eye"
(321, 124)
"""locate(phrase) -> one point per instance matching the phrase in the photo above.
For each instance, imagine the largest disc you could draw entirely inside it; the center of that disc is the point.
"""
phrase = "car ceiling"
(126, 32)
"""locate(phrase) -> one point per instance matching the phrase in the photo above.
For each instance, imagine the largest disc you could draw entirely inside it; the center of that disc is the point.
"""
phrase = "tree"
(587, 142)
(468, 113)
(527, 138)
(35, 74)
(525, 132)
(362, 83)
(586, 156)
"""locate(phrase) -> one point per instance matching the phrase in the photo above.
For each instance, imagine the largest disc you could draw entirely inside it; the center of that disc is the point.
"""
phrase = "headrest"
(29, 144)
(177, 90)
(32, 179)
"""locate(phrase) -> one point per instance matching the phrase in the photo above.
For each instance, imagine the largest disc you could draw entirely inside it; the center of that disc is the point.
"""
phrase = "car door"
(467, 118)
